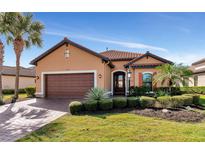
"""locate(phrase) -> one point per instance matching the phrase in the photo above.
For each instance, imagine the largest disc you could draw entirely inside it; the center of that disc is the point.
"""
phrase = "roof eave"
(66, 41)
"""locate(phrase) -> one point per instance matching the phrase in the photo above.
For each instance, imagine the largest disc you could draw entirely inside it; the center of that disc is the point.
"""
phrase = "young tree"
(23, 33)
(173, 74)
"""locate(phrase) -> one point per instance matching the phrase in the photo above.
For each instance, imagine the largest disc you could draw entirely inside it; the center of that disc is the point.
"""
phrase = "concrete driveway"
(17, 120)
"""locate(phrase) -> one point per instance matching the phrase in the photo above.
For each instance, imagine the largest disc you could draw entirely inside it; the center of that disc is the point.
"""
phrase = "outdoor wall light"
(100, 76)
(129, 73)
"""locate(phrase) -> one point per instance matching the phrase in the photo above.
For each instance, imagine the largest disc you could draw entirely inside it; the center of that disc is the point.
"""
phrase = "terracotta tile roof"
(199, 61)
(28, 72)
(120, 55)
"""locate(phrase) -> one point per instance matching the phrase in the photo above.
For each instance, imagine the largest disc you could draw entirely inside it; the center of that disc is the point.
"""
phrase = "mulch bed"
(176, 115)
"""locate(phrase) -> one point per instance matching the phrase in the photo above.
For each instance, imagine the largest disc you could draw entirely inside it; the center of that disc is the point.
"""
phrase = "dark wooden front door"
(119, 83)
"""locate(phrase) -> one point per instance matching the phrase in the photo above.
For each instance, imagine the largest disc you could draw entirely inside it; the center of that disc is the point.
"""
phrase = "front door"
(119, 83)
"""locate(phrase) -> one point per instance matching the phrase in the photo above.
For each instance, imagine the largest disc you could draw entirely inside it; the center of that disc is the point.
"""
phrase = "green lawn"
(8, 97)
(117, 127)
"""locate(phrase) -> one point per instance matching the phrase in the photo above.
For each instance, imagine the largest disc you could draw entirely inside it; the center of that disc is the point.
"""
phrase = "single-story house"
(26, 77)
(69, 70)
(198, 69)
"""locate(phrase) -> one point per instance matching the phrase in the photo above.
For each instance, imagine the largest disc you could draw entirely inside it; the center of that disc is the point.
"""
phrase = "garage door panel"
(69, 85)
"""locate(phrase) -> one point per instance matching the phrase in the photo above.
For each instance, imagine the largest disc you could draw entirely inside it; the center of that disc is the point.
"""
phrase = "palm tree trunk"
(18, 48)
(16, 95)
(1, 66)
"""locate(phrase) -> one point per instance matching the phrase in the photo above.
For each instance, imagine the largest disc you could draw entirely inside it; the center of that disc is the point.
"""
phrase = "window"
(195, 80)
(147, 80)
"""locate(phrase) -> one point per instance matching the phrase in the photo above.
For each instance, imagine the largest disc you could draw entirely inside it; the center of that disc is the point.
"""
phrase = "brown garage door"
(69, 85)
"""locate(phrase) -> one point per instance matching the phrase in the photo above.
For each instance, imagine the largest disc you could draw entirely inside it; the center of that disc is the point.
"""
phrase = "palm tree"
(23, 33)
(5, 20)
(173, 74)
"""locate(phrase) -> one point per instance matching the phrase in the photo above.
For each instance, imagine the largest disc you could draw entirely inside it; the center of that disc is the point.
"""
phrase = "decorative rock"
(188, 108)
(165, 110)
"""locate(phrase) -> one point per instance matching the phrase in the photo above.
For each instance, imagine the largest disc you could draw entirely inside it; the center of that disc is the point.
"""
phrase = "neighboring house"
(27, 77)
(69, 70)
(198, 69)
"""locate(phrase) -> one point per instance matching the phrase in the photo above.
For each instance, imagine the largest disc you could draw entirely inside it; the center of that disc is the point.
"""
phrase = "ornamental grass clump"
(96, 94)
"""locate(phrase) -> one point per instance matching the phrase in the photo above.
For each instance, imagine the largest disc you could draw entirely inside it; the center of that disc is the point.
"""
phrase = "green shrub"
(132, 101)
(90, 105)
(105, 104)
(138, 91)
(120, 102)
(11, 91)
(1, 101)
(160, 93)
(174, 90)
(147, 101)
(193, 90)
(30, 91)
(97, 94)
(164, 102)
(179, 101)
(195, 97)
(75, 107)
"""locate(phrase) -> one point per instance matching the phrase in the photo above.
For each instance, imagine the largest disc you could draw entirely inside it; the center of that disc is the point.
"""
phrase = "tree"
(175, 75)
(5, 20)
(23, 33)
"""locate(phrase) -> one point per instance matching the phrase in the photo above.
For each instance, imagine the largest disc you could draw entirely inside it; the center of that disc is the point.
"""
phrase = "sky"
(179, 37)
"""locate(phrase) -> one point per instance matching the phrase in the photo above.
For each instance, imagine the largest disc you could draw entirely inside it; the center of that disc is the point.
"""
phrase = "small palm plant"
(175, 75)
(97, 94)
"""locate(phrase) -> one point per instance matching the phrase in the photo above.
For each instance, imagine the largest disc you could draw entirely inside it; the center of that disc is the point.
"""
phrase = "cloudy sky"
(179, 37)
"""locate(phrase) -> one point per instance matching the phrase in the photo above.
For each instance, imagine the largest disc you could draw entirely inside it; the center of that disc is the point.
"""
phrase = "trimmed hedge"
(75, 107)
(11, 91)
(30, 91)
(146, 101)
(91, 105)
(120, 102)
(195, 97)
(193, 90)
(174, 101)
(133, 101)
(105, 104)
(164, 102)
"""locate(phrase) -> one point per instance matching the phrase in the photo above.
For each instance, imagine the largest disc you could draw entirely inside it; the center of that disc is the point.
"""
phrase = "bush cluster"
(11, 91)
(138, 91)
(133, 102)
(120, 102)
(165, 90)
(30, 91)
(176, 101)
(76, 107)
(105, 104)
(91, 105)
(193, 90)
(146, 101)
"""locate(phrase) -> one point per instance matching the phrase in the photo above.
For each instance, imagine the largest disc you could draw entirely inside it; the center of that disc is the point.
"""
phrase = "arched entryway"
(119, 83)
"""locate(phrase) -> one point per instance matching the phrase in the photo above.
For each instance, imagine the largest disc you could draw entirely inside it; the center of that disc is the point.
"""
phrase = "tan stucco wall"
(148, 60)
(201, 80)
(8, 82)
(77, 61)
